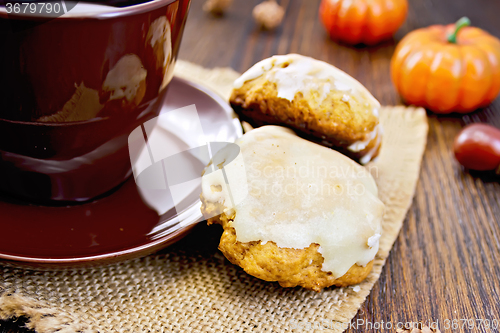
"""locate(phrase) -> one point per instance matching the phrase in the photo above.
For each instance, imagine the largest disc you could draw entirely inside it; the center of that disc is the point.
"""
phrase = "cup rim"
(116, 12)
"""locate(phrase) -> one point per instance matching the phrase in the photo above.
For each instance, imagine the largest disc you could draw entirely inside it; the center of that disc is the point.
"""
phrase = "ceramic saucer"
(122, 224)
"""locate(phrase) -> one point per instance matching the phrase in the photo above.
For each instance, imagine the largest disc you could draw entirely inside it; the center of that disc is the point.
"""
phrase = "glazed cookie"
(319, 101)
(293, 211)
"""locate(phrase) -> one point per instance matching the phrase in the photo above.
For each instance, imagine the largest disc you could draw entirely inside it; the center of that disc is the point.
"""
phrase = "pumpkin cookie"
(293, 211)
(317, 100)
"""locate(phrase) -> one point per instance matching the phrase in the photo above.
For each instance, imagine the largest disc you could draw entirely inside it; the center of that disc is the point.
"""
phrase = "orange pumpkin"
(447, 68)
(362, 21)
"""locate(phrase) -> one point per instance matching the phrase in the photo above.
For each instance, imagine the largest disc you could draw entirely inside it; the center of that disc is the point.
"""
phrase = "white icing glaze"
(361, 145)
(228, 186)
(306, 75)
(299, 193)
(373, 240)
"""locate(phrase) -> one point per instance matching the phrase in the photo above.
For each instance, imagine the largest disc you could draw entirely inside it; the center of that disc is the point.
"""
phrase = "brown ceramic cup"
(73, 88)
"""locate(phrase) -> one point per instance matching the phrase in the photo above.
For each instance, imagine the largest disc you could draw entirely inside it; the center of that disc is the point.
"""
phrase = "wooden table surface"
(445, 263)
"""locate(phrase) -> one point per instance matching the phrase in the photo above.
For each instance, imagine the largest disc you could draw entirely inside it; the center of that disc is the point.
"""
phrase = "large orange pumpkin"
(362, 21)
(447, 68)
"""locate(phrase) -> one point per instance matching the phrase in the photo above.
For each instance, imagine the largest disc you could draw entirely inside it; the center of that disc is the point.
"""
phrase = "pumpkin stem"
(463, 22)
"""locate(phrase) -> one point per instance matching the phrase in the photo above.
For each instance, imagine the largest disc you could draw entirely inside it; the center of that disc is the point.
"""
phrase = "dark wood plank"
(444, 265)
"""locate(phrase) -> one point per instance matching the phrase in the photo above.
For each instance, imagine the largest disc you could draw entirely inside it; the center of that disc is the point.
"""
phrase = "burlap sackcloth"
(191, 287)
